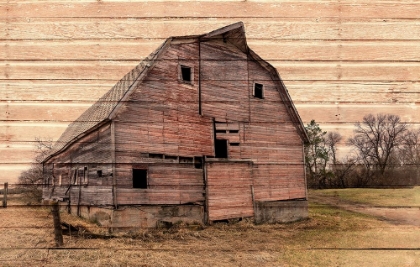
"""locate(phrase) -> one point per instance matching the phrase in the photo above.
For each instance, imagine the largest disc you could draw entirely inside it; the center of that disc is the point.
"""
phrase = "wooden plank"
(289, 71)
(43, 50)
(27, 131)
(132, 50)
(69, 70)
(280, 29)
(345, 50)
(351, 113)
(324, 113)
(42, 111)
(341, 92)
(220, 9)
(13, 155)
(74, 91)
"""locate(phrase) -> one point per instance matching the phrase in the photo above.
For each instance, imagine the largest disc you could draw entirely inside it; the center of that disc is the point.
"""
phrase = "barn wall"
(168, 183)
(224, 81)
(162, 115)
(67, 174)
(339, 59)
(260, 130)
(159, 129)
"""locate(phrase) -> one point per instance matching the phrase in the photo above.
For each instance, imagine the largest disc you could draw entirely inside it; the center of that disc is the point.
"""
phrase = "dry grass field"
(330, 237)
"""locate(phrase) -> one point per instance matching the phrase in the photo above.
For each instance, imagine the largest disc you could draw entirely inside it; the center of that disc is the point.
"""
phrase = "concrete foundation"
(280, 211)
(141, 217)
(152, 216)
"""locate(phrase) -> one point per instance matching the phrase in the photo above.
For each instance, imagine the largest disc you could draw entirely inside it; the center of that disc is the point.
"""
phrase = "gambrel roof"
(105, 108)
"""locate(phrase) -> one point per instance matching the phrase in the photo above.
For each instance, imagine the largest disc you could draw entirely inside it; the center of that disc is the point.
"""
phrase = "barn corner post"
(113, 162)
(58, 233)
(304, 171)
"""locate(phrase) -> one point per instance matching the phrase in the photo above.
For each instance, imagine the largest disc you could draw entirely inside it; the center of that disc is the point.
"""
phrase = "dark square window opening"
(258, 90)
(186, 73)
(221, 148)
(140, 178)
(198, 163)
(99, 172)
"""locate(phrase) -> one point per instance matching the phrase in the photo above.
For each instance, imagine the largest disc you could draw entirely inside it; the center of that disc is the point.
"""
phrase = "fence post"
(58, 234)
(6, 188)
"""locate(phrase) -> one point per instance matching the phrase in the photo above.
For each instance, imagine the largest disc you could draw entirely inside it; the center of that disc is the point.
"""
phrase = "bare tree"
(376, 139)
(31, 180)
(332, 139)
(42, 148)
(409, 153)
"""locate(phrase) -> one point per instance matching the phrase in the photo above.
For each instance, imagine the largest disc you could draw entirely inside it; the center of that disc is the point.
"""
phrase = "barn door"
(229, 192)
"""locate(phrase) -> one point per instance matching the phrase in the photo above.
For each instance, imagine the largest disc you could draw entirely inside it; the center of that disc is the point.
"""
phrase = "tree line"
(385, 152)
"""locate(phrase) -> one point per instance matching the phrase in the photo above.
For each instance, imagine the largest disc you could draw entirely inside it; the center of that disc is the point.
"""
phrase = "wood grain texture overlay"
(338, 59)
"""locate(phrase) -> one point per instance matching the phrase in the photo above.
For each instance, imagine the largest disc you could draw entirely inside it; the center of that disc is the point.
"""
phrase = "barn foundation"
(280, 211)
(141, 217)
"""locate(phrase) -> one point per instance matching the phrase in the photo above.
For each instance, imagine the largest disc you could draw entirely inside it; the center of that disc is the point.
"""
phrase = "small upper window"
(186, 73)
(258, 90)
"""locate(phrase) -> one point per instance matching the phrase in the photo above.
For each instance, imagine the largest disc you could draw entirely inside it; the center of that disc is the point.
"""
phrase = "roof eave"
(75, 139)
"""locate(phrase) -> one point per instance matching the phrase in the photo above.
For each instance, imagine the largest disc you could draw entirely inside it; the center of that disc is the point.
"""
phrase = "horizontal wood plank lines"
(354, 92)
(80, 91)
(48, 111)
(205, 9)
(289, 71)
(27, 131)
(351, 113)
(280, 50)
(10, 172)
(84, 91)
(265, 29)
(56, 50)
(17, 155)
(59, 114)
(332, 50)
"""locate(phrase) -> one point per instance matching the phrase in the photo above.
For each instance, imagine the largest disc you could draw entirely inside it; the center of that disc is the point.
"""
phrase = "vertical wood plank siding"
(229, 190)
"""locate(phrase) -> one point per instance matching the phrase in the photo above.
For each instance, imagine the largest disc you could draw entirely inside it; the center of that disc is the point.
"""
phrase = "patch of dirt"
(399, 215)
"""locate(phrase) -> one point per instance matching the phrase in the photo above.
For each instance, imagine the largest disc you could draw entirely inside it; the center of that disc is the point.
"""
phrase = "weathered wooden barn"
(201, 130)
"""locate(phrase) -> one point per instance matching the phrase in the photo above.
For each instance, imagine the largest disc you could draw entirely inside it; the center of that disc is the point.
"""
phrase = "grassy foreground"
(409, 197)
(330, 237)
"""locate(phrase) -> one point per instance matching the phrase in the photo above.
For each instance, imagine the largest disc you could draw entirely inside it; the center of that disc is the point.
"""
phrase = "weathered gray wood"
(58, 234)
